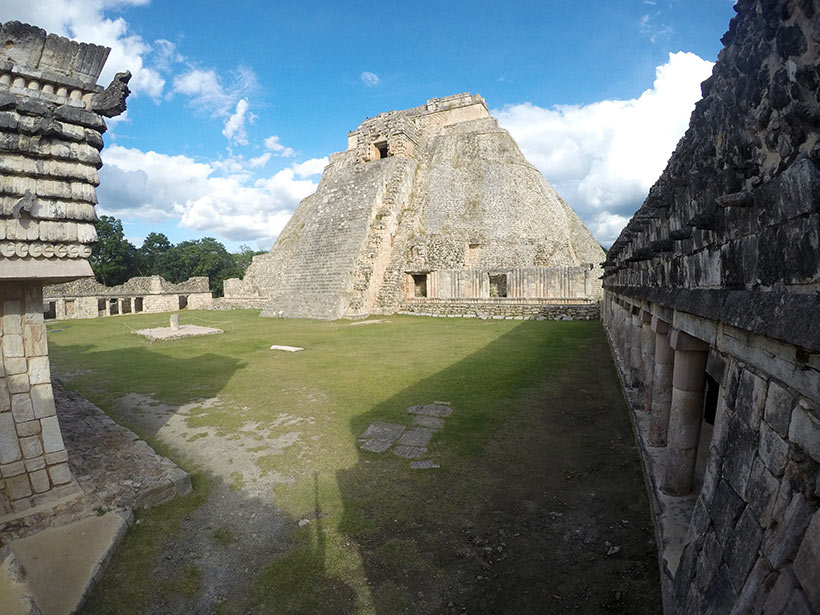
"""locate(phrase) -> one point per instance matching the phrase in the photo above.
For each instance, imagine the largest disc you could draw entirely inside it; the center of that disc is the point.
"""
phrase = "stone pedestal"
(664, 359)
(686, 413)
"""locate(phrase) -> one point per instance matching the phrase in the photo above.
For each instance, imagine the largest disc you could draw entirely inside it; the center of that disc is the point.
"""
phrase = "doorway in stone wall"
(183, 301)
(498, 285)
(380, 150)
(710, 402)
(419, 284)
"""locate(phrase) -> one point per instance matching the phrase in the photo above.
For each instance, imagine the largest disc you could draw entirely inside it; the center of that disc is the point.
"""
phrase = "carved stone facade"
(87, 298)
(50, 142)
(438, 192)
(712, 304)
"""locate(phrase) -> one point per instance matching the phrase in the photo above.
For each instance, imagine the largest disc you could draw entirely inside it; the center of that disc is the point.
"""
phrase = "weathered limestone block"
(804, 429)
(806, 565)
(780, 543)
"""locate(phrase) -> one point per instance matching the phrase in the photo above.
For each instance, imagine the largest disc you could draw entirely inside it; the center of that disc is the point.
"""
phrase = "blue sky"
(236, 106)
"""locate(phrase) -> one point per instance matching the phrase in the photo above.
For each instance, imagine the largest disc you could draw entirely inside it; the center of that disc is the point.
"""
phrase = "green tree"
(243, 258)
(204, 256)
(113, 257)
(153, 253)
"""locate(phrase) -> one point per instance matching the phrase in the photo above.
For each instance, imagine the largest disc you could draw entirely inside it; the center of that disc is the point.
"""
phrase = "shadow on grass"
(200, 554)
(539, 505)
(147, 376)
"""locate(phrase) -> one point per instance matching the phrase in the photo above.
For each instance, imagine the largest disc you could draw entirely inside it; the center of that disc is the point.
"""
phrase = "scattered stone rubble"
(408, 442)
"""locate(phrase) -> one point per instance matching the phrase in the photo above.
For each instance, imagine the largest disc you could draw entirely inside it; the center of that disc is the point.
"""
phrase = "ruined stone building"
(429, 209)
(87, 298)
(50, 141)
(712, 304)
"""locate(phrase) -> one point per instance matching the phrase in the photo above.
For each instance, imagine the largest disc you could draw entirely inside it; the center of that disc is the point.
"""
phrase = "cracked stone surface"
(436, 410)
(379, 430)
(430, 422)
(424, 464)
(417, 436)
(409, 452)
(376, 446)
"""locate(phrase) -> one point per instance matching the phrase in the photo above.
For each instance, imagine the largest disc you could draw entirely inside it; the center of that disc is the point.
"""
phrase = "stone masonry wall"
(33, 459)
(501, 308)
(712, 307)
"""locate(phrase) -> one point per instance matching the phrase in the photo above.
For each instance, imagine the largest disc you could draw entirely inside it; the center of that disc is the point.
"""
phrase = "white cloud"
(259, 161)
(370, 79)
(603, 157)
(651, 28)
(234, 129)
(272, 143)
(83, 20)
(208, 93)
(311, 167)
(211, 198)
(164, 55)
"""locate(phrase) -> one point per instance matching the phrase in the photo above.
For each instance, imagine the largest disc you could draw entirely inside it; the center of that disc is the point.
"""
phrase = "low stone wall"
(501, 308)
(87, 298)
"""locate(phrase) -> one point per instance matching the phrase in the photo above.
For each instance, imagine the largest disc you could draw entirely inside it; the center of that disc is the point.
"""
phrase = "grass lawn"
(538, 469)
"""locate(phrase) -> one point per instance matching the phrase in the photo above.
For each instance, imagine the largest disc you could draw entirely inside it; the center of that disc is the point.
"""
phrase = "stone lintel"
(679, 340)
(659, 326)
(50, 271)
(695, 326)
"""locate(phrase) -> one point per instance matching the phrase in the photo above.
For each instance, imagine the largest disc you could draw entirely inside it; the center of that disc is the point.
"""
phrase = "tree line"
(116, 260)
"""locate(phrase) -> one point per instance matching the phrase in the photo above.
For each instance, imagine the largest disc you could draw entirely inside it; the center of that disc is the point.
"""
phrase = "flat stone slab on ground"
(416, 436)
(61, 562)
(430, 422)
(286, 348)
(409, 452)
(368, 322)
(424, 464)
(167, 333)
(382, 431)
(438, 410)
(374, 445)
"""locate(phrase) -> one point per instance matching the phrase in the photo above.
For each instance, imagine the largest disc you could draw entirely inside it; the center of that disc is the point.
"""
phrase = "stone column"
(635, 358)
(32, 455)
(626, 341)
(686, 414)
(664, 359)
(647, 358)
